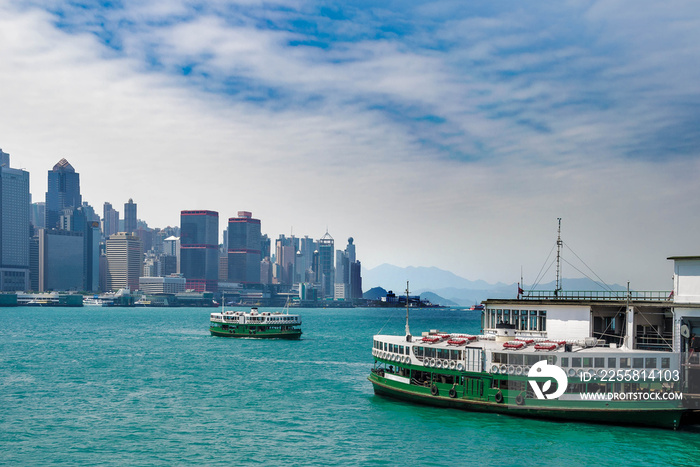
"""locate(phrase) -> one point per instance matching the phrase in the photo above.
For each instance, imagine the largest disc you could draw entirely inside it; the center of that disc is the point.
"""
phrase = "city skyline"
(436, 134)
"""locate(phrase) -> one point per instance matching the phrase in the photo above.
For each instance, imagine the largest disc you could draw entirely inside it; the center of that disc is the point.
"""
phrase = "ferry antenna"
(408, 332)
(559, 243)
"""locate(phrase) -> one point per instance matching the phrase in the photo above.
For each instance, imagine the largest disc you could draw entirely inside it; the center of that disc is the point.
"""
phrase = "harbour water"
(150, 386)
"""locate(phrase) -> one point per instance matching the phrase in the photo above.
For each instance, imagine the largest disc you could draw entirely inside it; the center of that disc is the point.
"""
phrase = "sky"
(445, 133)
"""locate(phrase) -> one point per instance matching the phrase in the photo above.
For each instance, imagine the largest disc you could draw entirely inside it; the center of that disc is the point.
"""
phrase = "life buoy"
(494, 369)
(511, 369)
(601, 373)
(518, 370)
(438, 364)
(453, 364)
(572, 372)
(504, 369)
(520, 399)
(445, 364)
(460, 367)
(434, 390)
(407, 359)
(498, 397)
(453, 393)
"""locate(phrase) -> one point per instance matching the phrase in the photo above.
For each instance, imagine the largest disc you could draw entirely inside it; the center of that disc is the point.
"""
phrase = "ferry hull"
(660, 416)
(294, 334)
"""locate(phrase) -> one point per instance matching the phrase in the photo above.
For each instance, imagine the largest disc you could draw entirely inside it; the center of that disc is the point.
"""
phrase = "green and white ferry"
(628, 358)
(255, 324)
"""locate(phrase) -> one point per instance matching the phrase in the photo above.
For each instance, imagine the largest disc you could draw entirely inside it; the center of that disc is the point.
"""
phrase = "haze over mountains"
(446, 288)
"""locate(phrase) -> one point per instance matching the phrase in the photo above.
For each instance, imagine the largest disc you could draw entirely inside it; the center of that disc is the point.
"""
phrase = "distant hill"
(436, 299)
(374, 293)
(452, 290)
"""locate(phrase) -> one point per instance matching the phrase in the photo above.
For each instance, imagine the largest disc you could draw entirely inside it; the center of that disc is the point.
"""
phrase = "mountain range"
(448, 289)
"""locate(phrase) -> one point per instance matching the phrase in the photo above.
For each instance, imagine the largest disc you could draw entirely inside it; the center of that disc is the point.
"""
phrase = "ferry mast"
(559, 244)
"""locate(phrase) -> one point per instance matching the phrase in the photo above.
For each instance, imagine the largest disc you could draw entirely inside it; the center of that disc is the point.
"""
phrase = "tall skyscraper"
(4, 159)
(124, 261)
(130, 218)
(15, 202)
(110, 220)
(61, 260)
(325, 251)
(199, 249)
(63, 192)
(244, 243)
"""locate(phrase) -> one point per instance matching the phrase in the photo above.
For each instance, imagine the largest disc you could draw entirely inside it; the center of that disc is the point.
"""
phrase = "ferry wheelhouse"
(255, 324)
(620, 358)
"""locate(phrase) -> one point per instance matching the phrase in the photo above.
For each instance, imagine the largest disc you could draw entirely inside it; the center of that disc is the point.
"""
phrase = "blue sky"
(441, 133)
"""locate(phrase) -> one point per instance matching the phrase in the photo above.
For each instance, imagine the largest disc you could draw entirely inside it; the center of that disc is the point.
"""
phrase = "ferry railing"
(604, 295)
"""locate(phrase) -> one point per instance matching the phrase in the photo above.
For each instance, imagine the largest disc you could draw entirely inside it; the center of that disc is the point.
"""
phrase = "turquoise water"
(146, 386)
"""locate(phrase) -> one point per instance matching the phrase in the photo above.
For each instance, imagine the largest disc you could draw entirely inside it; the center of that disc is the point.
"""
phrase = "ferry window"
(391, 347)
(492, 324)
(624, 362)
(542, 320)
(506, 316)
(515, 359)
(499, 316)
(500, 358)
(430, 352)
(564, 361)
(455, 354)
(650, 363)
(612, 362)
(443, 354)
(516, 319)
(599, 362)
(385, 346)
(418, 351)
(532, 359)
(665, 362)
(552, 359)
(587, 362)
(533, 320)
(523, 320)
(576, 362)
(401, 349)
(638, 363)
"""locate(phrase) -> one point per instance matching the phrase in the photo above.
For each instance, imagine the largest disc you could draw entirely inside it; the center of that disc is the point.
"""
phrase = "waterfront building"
(303, 264)
(110, 220)
(266, 271)
(325, 252)
(81, 219)
(172, 284)
(124, 262)
(130, 217)
(356, 280)
(15, 203)
(244, 246)
(61, 260)
(199, 249)
(63, 192)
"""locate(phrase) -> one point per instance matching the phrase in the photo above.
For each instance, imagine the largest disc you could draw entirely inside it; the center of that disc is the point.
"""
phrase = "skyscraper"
(326, 251)
(15, 202)
(199, 249)
(4, 159)
(130, 218)
(244, 243)
(110, 220)
(61, 260)
(63, 192)
(124, 261)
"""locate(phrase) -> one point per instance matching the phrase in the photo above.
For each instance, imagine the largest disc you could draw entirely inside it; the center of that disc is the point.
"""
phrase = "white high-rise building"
(124, 261)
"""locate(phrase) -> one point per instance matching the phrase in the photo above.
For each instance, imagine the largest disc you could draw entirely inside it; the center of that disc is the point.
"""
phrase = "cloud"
(433, 133)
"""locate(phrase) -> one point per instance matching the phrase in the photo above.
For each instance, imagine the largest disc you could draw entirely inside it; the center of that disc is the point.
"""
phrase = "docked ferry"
(255, 324)
(615, 357)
